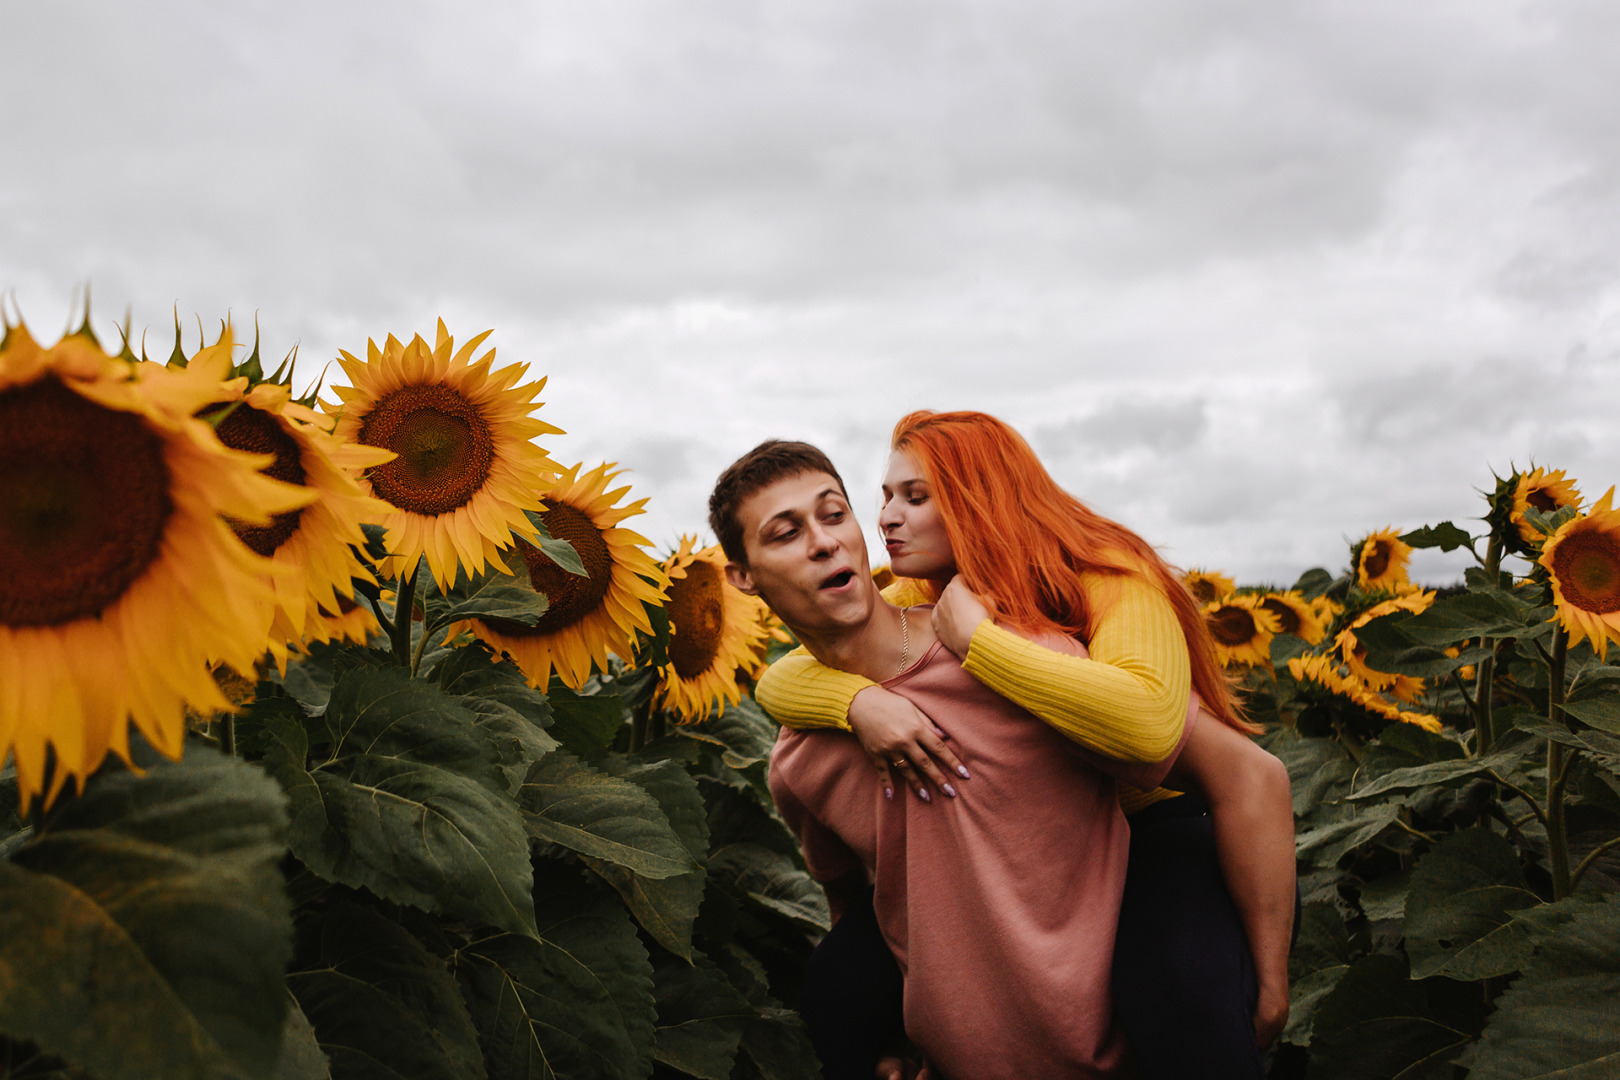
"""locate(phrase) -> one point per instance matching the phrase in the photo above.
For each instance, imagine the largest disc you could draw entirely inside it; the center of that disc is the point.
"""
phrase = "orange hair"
(1022, 540)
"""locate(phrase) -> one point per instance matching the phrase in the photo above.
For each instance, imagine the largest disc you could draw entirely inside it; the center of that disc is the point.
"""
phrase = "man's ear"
(741, 579)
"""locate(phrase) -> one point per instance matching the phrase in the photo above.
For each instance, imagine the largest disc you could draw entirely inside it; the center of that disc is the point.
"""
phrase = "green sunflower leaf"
(410, 801)
(665, 907)
(382, 1006)
(558, 551)
(144, 931)
(568, 802)
(701, 1018)
(495, 594)
(1445, 536)
(773, 880)
(575, 1001)
(1458, 908)
(1378, 1023)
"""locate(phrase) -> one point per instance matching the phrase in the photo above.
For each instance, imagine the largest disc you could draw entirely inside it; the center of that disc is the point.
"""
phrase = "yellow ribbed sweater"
(1128, 700)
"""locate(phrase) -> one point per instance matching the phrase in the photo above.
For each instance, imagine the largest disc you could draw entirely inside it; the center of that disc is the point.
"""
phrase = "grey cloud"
(1119, 427)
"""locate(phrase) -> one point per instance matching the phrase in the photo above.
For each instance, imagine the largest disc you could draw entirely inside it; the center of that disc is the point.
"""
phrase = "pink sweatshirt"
(1000, 904)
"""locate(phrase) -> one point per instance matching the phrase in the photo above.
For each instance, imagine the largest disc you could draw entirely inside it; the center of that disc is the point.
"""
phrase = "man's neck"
(873, 649)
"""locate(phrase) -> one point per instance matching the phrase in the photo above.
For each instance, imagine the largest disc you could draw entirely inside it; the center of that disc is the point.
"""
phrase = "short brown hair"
(764, 465)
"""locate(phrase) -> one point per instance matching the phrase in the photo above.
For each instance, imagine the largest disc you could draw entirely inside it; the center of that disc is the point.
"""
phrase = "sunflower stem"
(639, 716)
(1591, 857)
(421, 647)
(1485, 674)
(227, 734)
(1557, 769)
(404, 601)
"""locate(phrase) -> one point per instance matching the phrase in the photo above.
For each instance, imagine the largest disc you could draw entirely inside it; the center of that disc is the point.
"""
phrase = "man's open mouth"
(839, 580)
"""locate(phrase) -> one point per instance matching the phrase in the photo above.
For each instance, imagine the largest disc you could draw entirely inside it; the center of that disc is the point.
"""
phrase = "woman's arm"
(1127, 700)
(1253, 816)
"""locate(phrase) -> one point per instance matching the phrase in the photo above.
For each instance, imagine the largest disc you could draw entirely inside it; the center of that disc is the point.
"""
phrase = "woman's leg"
(1184, 983)
(853, 996)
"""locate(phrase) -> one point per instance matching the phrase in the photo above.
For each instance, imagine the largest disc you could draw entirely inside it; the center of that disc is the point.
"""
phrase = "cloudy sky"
(1254, 277)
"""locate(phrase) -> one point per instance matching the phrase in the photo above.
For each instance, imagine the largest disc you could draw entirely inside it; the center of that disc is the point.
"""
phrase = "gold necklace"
(905, 642)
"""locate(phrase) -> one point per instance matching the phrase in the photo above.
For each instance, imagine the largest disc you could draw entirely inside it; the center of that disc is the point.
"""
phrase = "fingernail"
(924, 796)
(961, 770)
(949, 791)
(888, 793)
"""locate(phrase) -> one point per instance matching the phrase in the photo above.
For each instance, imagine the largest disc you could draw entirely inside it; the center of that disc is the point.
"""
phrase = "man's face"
(806, 555)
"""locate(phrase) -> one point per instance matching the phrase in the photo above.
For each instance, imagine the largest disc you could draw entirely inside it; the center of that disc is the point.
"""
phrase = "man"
(1000, 902)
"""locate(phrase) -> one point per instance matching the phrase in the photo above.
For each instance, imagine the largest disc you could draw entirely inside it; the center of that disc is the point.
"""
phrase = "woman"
(976, 523)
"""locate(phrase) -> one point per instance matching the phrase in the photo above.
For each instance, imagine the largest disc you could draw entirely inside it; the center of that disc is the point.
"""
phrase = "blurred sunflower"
(1323, 670)
(312, 547)
(1354, 653)
(465, 471)
(1381, 561)
(592, 616)
(120, 581)
(1583, 561)
(1208, 586)
(715, 631)
(883, 576)
(1546, 491)
(1295, 615)
(1242, 629)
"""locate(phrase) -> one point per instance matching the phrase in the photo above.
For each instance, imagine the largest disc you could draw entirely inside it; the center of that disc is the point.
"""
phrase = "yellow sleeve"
(1128, 700)
(800, 691)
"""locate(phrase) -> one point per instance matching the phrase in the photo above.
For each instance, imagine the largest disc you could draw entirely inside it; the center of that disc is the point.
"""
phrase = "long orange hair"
(1023, 541)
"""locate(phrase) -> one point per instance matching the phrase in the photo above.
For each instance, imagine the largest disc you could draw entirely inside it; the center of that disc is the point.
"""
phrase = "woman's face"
(912, 528)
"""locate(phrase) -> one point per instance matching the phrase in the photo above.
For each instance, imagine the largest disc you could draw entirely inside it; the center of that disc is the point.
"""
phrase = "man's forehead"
(791, 494)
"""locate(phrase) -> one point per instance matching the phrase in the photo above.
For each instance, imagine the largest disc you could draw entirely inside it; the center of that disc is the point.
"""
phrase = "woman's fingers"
(933, 742)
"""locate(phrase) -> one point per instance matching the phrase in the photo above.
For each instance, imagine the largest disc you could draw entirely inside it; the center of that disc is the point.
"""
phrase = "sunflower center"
(84, 499)
(1287, 617)
(572, 597)
(1376, 559)
(1587, 565)
(1203, 590)
(1232, 626)
(255, 430)
(444, 445)
(697, 612)
(1542, 499)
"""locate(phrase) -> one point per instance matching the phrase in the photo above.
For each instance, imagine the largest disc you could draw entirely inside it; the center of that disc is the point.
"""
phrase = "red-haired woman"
(974, 523)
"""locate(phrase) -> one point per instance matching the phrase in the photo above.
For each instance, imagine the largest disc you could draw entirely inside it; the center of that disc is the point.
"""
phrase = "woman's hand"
(903, 744)
(959, 612)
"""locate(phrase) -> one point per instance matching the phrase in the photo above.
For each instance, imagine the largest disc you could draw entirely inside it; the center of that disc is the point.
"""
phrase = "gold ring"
(900, 763)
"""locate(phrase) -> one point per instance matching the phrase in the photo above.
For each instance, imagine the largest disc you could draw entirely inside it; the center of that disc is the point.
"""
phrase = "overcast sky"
(1254, 277)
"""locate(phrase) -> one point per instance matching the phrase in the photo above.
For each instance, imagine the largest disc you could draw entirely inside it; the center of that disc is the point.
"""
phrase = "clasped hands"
(903, 744)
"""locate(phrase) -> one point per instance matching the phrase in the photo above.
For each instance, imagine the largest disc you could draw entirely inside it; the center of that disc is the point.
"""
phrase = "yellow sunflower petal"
(1583, 562)
(1381, 563)
(466, 471)
(1242, 629)
(1208, 586)
(589, 617)
(110, 531)
(1547, 491)
(715, 633)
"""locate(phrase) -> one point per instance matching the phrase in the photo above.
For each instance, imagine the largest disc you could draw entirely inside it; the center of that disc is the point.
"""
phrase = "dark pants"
(1184, 983)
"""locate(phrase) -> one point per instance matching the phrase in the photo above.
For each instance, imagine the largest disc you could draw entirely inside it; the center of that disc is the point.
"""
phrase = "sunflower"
(715, 631)
(1546, 491)
(1583, 560)
(592, 616)
(1295, 615)
(1354, 653)
(120, 581)
(1381, 561)
(1324, 671)
(883, 576)
(313, 547)
(466, 471)
(1208, 586)
(1242, 629)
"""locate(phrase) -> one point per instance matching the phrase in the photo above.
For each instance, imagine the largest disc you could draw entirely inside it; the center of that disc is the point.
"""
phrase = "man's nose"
(822, 540)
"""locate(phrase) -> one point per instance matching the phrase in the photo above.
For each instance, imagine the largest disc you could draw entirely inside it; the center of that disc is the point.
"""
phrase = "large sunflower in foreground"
(1354, 653)
(466, 471)
(1295, 615)
(313, 548)
(1324, 671)
(1208, 586)
(715, 631)
(1547, 491)
(1242, 629)
(119, 579)
(1382, 560)
(1583, 561)
(592, 616)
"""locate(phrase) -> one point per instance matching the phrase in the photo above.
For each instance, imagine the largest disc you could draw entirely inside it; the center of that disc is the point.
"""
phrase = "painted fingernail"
(949, 791)
(888, 793)
(961, 770)
(922, 793)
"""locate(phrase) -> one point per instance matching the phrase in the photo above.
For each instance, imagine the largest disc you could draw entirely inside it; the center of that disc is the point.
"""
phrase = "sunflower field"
(362, 739)
(1455, 761)
(359, 738)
